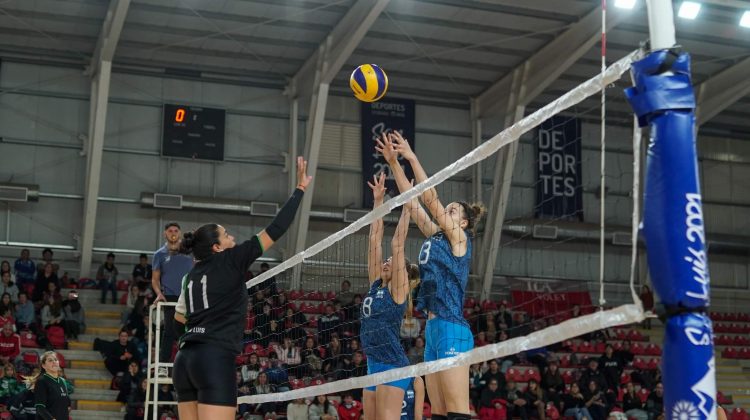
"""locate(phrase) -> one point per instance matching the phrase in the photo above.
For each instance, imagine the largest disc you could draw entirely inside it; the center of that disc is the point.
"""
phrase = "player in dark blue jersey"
(444, 262)
(213, 305)
(413, 404)
(383, 309)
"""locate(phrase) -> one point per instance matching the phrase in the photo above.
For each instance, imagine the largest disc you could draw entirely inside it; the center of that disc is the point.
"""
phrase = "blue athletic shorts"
(445, 339)
(376, 367)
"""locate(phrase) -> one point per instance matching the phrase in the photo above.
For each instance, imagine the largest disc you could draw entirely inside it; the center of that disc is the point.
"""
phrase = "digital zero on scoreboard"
(193, 132)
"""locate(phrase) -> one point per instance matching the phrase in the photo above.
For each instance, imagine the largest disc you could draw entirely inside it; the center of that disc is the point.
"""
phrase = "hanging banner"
(378, 117)
(558, 168)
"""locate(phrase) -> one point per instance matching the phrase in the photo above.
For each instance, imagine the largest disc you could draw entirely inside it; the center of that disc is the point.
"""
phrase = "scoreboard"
(193, 132)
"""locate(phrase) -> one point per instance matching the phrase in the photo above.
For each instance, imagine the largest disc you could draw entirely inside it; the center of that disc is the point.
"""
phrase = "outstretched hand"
(378, 187)
(401, 146)
(303, 180)
(384, 146)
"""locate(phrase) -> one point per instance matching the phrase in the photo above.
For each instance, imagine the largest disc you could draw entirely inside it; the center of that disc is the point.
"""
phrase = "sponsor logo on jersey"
(197, 330)
(685, 410)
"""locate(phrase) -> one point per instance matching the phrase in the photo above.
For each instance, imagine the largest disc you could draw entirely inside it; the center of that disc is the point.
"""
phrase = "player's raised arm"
(400, 279)
(285, 217)
(385, 146)
(375, 248)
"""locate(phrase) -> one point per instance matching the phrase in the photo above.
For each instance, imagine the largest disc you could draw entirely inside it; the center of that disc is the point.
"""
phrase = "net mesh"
(306, 340)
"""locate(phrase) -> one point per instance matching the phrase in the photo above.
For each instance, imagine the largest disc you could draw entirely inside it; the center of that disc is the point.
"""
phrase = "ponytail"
(473, 213)
(412, 271)
(201, 241)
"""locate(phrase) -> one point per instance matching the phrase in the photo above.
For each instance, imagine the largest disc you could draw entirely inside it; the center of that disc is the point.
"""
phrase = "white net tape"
(622, 315)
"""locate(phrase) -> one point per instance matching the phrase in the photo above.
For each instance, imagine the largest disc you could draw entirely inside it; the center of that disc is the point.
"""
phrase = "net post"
(661, 24)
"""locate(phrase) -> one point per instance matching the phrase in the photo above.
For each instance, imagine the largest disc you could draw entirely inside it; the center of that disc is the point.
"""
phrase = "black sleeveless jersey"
(216, 297)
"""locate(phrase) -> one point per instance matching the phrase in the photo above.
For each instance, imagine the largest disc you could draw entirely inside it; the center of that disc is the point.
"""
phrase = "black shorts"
(205, 373)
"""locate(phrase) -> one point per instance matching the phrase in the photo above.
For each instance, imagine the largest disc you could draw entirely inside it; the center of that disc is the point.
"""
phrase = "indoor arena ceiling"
(440, 51)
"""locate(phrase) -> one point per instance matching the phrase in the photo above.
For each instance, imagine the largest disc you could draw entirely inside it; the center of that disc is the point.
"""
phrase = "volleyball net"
(548, 288)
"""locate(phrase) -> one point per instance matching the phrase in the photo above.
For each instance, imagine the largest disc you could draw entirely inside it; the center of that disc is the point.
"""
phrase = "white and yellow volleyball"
(368, 82)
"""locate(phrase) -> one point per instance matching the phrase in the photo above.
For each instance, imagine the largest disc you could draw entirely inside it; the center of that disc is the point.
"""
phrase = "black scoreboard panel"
(193, 132)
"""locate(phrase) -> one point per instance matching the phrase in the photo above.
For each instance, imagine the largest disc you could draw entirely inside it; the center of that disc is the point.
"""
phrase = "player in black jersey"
(50, 390)
(215, 300)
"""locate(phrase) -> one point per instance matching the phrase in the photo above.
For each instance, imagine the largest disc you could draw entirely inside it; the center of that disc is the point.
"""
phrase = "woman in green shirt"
(51, 390)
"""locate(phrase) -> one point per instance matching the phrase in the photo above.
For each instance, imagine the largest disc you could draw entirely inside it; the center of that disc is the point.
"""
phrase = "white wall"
(46, 109)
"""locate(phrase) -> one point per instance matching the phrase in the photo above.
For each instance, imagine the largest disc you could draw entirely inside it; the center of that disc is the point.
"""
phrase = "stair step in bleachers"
(94, 394)
(98, 314)
(92, 383)
(92, 374)
(103, 331)
(102, 322)
(96, 414)
(99, 405)
(80, 345)
(86, 364)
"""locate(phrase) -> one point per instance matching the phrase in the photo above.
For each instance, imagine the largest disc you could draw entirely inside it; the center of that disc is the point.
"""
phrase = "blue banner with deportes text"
(385, 115)
(558, 169)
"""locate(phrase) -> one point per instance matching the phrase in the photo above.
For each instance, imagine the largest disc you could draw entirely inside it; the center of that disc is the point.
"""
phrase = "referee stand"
(153, 378)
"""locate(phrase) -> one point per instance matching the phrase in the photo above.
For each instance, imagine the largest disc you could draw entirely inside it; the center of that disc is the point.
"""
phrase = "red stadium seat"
(565, 361)
(624, 378)
(514, 374)
(240, 360)
(653, 350)
(620, 394)
(643, 395)
(621, 334)
(738, 413)
(568, 377)
(600, 347)
(653, 364)
(296, 294)
(640, 364)
(729, 353)
(331, 296)
(297, 383)
(488, 305)
(744, 353)
(61, 359)
(317, 382)
(638, 349)
(469, 303)
(255, 348)
(533, 374)
(586, 347)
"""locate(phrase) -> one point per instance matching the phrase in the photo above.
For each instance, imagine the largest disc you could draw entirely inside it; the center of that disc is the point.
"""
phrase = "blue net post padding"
(674, 232)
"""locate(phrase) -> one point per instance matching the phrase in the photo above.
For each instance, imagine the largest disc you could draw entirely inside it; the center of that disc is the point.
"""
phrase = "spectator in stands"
(136, 408)
(120, 353)
(107, 277)
(415, 354)
(322, 409)
(9, 385)
(5, 268)
(7, 286)
(495, 373)
(536, 400)
(296, 410)
(133, 295)
(632, 404)
(311, 357)
(410, 329)
(292, 324)
(345, 295)
(516, 402)
(353, 311)
(47, 255)
(552, 382)
(655, 403)
(25, 269)
(142, 272)
(349, 408)
(486, 323)
(43, 280)
(289, 356)
(7, 309)
(647, 298)
(258, 300)
(592, 373)
(276, 373)
(625, 354)
(504, 319)
(275, 333)
(130, 381)
(335, 355)
(24, 313)
(480, 339)
(52, 313)
(357, 366)
(251, 370)
(475, 383)
(353, 346)
(243, 388)
(74, 316)
(10, 344)
(574, 404)
(263, 386)
(328, 323)
(489, 400)
(268, 287)
(612, 367)
(596, 401)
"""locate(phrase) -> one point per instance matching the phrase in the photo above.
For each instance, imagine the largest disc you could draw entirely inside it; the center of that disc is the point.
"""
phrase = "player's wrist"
(302, 187)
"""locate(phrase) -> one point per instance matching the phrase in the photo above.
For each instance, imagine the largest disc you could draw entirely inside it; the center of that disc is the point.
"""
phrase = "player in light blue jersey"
(382, 311)
(444, 262)
(413, 404)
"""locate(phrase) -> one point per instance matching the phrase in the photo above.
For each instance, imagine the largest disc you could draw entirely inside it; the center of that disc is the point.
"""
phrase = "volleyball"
(368, 82)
